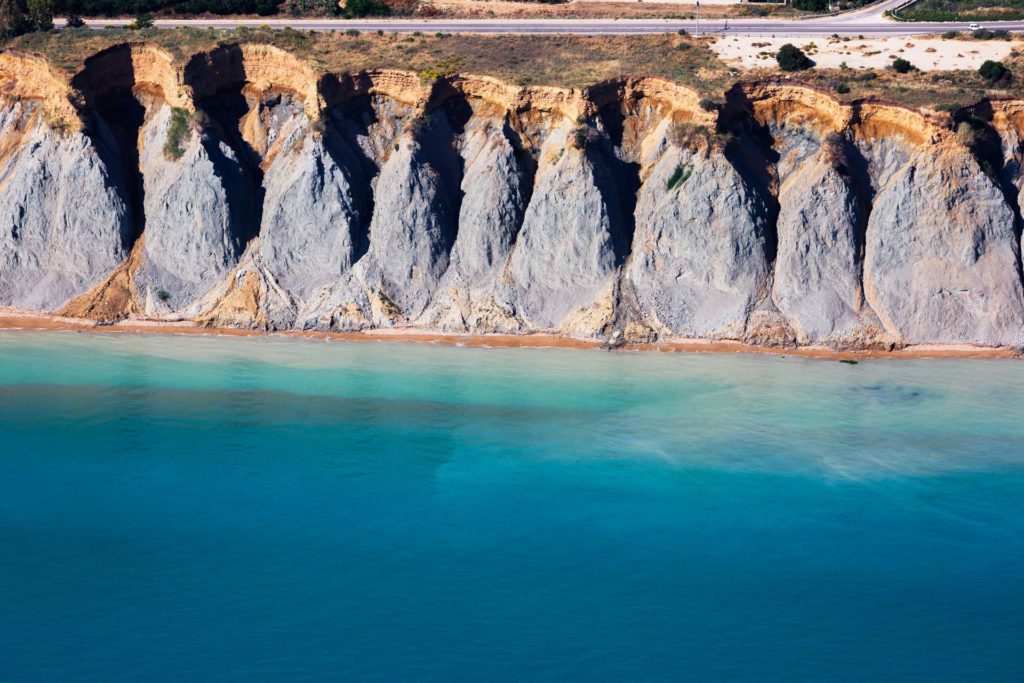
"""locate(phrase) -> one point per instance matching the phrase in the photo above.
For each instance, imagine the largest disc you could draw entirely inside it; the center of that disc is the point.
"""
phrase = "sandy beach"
(14, 319)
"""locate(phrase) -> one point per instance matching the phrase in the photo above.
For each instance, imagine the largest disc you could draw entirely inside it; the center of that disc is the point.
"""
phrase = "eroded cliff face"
(63, 222)
(246, 188)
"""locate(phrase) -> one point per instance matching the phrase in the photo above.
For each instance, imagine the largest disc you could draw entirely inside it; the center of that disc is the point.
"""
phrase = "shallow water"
(244, 509)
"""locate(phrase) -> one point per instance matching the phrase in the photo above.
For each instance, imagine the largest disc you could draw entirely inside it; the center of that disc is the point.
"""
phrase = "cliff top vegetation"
(526, 60)
(963, 10)
(556, 60)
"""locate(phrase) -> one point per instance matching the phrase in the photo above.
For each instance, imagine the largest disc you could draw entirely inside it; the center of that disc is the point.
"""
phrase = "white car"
(975, 27)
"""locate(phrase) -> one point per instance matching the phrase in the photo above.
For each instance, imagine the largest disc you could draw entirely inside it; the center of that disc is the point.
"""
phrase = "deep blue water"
(223, 509)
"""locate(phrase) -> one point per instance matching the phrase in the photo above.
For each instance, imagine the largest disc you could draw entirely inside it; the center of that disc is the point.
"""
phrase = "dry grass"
(943, 89)
(565, 61)
(534, 60)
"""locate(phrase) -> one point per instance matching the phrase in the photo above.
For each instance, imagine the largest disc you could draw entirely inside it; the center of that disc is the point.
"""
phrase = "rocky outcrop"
(314, 207)
(197, 219)
(699, 260)
(943, 266)
(245, 187)
(63, 223)
(562, 268)
(471, 295)
(817, 284)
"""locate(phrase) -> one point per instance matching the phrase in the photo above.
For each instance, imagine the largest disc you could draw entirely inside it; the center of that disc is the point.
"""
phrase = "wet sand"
(13, 319)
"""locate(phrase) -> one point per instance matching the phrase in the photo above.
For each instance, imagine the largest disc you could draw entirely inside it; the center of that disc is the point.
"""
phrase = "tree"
(810, 5)
(993, 72)
(303, 8)
(40, 14)
(901, 66)
(362, 8)
(792, 58)
(13, 19)
(144, 20)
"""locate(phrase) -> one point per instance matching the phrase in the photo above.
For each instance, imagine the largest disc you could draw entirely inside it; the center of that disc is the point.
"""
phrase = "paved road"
(868, 21)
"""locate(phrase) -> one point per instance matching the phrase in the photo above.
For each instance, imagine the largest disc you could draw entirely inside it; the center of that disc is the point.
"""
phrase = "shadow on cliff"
(974, 128)
(223, 115)
(848, 160)
(346, 119)
(435, 135)
(755, 159)
(618, 180)
(115, 112)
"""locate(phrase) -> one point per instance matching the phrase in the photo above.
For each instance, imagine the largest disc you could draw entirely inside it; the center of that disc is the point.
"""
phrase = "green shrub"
(950, 35)
(143, 20)
(708, 104)
(364, 8)
(993, 72)
(40, 14)
(971, 132)
(810, 5)
(74, 21)
(679, 176)
(305, 8)
(116, 8)
(983, 34)
(901, 66)
(842, 88)
(792, 58)
(1001, 34)
(431, 74)
(583, 135)
(176, 131)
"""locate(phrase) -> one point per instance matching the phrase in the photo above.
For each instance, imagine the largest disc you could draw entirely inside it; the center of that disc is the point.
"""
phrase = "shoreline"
(14, 319)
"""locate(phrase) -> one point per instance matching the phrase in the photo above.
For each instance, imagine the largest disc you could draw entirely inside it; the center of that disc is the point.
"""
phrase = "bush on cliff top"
(994, 72)
(901, 66)
(792, 58)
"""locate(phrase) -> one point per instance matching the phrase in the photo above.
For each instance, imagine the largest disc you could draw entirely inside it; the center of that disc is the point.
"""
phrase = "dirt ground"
(927, 54)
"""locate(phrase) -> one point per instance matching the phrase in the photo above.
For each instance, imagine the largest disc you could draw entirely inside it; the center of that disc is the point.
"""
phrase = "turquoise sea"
(269, 509)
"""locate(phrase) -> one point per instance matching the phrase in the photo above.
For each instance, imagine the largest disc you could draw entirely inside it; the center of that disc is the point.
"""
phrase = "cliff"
(244, 187)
